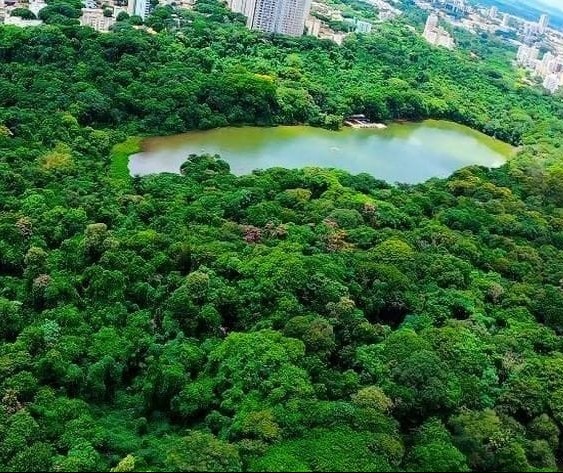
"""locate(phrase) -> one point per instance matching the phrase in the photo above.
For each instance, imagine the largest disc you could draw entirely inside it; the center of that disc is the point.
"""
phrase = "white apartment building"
(281, 16)
(363, 26)
(543, 24)
(553, 82)
(274, 16)
(527, 55)
(313, 26)
(246, 7)
(431, 22)
(36, 6)
(436, 35)
(548, 65)
(94, 17)
(17, 21)
(141, 8)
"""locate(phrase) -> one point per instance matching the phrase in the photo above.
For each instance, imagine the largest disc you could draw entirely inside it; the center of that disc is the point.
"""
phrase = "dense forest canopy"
(287, 320)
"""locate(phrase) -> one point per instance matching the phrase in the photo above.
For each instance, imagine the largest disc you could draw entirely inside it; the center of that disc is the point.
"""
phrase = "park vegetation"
(286, 320)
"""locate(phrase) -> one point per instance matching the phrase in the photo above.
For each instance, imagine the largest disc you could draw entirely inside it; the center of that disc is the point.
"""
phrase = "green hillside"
(286, 320)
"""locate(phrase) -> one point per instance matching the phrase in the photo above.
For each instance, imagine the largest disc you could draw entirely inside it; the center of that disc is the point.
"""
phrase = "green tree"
(23, 13)
(199, 451)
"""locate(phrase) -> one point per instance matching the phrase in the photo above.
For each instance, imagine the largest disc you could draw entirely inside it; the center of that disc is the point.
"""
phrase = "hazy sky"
(552, 3)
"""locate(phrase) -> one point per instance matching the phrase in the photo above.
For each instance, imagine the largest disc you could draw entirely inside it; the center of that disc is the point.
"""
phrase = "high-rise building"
(505, 20)
(522, 54)
(552, 82)
(527, 55)
(281, 16)
(295, 13)
(548, 65)
(246, 7)
(141, 8)
(493, 12)
(543, 23)
(274, 16)
(531, 29)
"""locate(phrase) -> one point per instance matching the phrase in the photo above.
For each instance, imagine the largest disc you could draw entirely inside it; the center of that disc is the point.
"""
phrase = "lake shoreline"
(405, 151)
(146, 138)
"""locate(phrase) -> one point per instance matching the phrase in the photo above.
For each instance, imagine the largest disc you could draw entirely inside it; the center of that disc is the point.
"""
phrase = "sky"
(557, 4)
(530, 9)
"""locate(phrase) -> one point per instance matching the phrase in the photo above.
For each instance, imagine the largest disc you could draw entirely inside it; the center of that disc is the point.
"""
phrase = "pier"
(361, 121)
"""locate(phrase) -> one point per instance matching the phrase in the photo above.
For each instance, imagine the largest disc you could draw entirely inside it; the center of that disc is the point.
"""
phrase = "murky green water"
(410, 152)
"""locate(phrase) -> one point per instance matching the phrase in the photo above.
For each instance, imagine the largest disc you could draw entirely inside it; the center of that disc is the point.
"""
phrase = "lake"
(403, 152)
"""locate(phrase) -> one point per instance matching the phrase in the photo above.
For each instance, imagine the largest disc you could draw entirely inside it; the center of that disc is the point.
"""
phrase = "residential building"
(436, 35)
(187, 4)
(6, 6)
(338, 38)
(454, 6)
(245, 7)
(363, 26)
(548, 65)
(553, 82)
(505, 20)
(36, 6)
(432, 22)
(94, 17)
(141, 8)
(531, 28)
(527, 55)
(385, 15)
(17, 21)
(280, 16)
(313, 26)
(543, 23)
(274, 16)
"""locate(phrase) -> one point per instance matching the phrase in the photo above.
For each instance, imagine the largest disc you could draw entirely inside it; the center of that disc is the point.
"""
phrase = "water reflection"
(411, 152)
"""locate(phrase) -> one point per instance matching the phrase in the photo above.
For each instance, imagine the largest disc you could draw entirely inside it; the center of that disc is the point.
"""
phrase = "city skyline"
(528, 9)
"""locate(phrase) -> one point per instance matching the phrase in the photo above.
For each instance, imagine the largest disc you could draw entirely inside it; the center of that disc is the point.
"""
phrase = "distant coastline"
(528, 11)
